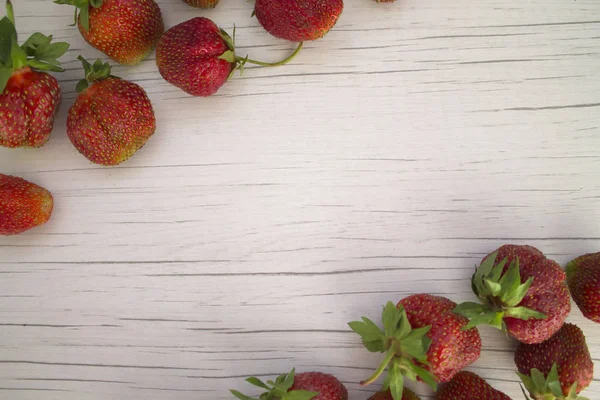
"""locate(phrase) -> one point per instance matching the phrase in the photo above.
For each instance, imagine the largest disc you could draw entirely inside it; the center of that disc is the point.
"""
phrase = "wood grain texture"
(386, 160)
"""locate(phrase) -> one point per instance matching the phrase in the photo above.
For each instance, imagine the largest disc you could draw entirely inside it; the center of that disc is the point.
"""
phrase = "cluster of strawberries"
(431, 339)
(112, 118)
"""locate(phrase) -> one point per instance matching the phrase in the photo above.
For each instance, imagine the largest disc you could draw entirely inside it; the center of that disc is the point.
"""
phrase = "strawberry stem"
(388, 358)
(276, 64)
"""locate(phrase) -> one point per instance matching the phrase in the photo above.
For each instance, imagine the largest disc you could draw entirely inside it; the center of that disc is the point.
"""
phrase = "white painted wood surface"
(386, 160)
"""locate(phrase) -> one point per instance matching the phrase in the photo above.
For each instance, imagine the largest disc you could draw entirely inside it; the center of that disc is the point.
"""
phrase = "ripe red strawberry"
(422, 338)
(202, 3)
(198, 57)
(23, 205)
(298, 20)
(29, 97)
(190, 56)
(561, 365)
(111, 119)
(124, 30)
(304, 386)
(469, 386)
(521, 291)
(387, 395)
(583, 278)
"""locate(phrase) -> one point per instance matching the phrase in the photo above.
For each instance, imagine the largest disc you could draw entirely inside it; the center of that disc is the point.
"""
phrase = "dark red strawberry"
(198, 57)
(191, 56)
(124, 30)
(303, 386)
(387, 395)
(521, 291)
(298, 20)
(111, 119)
(202, 3)
(422, 338)
(561, 365)
(23, 205)
(29, 97)
(583, 278)
(469, 386)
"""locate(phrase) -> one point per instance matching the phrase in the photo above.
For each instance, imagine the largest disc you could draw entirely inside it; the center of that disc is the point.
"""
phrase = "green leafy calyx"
(229, 55)
(405, 349)
(93, 73)
(548, 387)
(500, 293)
(278, 390)
(38, 52)
(82, 9)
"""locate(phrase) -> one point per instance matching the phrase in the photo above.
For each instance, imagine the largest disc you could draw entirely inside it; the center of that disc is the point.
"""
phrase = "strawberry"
(198, 57)
(298, 20)
(190, 56)
(124, 30)
(202, 3)
(583, 278)
(469, 386)
(29, 96)
(560, 366)
(422, 338)
(23, 205)
(387, 395)
(111, 119)
(521, 291)
(304, 386)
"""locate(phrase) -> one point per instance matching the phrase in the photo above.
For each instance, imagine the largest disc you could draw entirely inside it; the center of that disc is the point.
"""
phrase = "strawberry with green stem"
(303, 386)
(558, 368)
(111, 119)
(29, 96)
(124, 30)
(422, 340)
(198, 57)
(521, 291)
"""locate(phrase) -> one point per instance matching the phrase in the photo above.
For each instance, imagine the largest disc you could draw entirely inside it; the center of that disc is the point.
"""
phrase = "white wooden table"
(386, 160)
